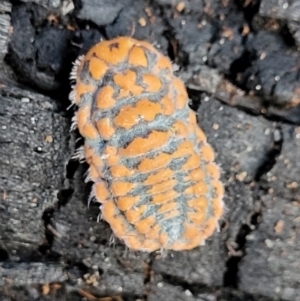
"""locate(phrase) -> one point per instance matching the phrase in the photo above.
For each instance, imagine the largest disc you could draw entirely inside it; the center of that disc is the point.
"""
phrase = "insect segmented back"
(153, 171)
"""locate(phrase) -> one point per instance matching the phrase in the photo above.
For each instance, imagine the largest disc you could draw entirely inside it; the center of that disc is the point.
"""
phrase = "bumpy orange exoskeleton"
(153, 171)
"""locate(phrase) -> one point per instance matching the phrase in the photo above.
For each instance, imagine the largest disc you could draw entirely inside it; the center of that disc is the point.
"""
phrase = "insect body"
(152, 168)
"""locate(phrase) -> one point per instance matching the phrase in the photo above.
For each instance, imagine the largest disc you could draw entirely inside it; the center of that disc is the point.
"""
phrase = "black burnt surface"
(240, 62)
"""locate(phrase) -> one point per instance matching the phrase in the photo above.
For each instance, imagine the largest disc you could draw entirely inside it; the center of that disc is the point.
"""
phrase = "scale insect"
(153, 170)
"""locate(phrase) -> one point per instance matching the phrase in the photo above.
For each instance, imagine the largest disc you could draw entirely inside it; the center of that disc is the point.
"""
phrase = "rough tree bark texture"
(240, 62)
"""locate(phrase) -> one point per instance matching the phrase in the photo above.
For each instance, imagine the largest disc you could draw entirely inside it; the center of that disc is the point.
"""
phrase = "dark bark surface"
(240, 62)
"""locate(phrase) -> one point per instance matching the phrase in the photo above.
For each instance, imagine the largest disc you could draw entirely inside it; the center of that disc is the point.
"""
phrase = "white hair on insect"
(112, 240)
(72, 95)
(72, 77)
(163, 253)
(76, 64)
(92, 197)
(74, 123)
(79, 154)
(100, 215)
(88, 177)
(202, 243)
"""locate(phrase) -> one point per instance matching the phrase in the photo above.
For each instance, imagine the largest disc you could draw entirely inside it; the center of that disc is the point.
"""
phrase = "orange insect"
(152, 168)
